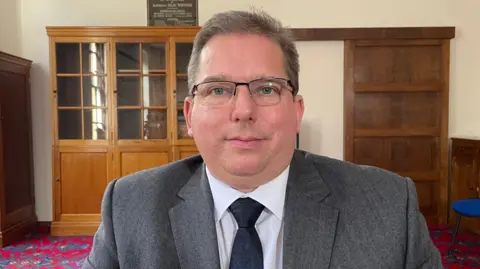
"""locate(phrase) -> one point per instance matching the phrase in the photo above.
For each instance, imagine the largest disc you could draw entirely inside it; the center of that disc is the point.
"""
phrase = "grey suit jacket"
(337, 215)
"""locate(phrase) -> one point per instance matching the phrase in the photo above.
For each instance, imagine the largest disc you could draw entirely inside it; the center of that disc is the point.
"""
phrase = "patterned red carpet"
(465, 254)
(42, 251)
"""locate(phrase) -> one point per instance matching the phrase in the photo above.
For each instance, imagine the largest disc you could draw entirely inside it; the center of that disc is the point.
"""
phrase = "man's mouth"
(245, 142)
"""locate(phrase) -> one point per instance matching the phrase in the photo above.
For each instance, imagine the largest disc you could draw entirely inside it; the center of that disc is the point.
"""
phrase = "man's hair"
(239, 22)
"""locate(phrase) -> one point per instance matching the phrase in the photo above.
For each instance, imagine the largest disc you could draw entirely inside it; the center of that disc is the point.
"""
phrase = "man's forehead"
(230, 43)
(224, 58)
(226, 77)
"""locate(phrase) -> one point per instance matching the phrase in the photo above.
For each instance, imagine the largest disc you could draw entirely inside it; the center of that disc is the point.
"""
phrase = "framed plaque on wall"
(172, 12)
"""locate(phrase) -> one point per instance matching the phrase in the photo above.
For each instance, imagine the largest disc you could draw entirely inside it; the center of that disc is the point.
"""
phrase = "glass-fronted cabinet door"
(182, 52)
(141, 95)
(80, 92)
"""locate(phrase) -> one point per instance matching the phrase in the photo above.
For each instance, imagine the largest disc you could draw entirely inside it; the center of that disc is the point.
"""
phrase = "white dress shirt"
(269, 225)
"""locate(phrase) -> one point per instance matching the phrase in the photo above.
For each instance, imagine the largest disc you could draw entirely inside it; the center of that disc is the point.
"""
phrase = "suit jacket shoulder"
(136, 229)
(350, 183)
(364, 217)
(162, 182)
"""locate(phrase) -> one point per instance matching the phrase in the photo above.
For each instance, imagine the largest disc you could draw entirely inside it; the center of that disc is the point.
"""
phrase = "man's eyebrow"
(223, 77)
(262, 77)
(214, 78)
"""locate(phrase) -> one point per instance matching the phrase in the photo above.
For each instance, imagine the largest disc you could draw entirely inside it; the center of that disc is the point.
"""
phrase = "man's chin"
(246, 167)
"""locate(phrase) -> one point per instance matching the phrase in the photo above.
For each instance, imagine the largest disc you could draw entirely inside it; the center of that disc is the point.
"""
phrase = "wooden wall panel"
(396, 113)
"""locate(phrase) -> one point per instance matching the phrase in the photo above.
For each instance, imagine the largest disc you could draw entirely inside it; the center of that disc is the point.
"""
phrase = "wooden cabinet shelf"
(117, 102)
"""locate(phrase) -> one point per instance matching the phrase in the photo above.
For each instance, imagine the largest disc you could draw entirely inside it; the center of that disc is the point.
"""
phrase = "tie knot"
(246, 211)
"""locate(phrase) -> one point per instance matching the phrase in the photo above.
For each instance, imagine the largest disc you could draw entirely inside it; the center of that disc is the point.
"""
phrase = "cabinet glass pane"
(93, 58)
(95, 124)
(70, 124)
(128, 91)
(182, 90)
(153, 58)
(182, 125)
(154, 93)
(182, 53)
(129, 124)
(128, 58)
(94, 91)
(68, 91)
(68, 58)
(155, 124)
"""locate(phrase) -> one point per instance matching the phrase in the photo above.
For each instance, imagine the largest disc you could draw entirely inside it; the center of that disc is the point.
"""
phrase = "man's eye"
(267, 90)
(218, 91)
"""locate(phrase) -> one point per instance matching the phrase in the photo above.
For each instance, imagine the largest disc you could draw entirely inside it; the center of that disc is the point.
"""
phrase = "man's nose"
(243, 104)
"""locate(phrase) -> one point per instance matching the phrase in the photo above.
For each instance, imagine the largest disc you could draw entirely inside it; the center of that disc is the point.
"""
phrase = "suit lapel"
(310, 223)
(193, 224)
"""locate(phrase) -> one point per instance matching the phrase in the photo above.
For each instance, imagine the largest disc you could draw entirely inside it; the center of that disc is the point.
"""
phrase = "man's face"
(241, 142)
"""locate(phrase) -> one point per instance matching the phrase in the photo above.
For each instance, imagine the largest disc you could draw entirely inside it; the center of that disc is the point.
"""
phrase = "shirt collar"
(271, 194)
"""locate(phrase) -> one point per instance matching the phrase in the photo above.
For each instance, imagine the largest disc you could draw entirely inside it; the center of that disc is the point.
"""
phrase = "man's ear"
(299, 110)
(187, 112)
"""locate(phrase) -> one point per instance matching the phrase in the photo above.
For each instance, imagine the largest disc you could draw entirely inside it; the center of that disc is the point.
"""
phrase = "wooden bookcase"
(117, 105)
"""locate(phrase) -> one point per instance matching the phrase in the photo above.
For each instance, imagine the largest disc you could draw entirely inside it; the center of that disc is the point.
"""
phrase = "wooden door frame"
(373, 33)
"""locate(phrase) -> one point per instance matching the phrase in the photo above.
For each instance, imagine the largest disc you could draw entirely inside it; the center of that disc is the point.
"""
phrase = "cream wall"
(321, 75)
(10, 27)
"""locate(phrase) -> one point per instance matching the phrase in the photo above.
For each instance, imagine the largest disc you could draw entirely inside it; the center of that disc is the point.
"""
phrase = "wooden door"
(142, 131)
(396, 113)
(181, 49)
(82, 132)
(184, 145)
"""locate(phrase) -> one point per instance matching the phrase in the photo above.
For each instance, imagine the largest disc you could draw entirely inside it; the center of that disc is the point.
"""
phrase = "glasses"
(264, 91)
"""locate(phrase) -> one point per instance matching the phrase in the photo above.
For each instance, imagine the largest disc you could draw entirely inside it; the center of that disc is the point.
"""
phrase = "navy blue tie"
(247, 248)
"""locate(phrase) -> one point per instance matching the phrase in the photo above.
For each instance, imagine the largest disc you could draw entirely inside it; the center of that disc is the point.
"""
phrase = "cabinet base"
(74, 228)
(18, 231)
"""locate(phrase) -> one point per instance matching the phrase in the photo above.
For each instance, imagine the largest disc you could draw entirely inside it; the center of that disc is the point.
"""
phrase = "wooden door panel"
(398, 63)
(83, 178)
(131, 162)
(182, 152)
(414, 154)
(399, 154)
(427, 194)
(399, 110)
(370, 151)
(186, 154)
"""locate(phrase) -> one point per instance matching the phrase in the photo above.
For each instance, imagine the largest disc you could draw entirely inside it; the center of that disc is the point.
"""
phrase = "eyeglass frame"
(289, 82)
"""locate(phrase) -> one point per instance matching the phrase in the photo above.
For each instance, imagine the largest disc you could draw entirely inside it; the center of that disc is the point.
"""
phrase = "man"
(250, 200)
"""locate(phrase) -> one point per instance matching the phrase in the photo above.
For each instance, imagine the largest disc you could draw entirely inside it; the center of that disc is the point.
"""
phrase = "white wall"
(321, 76)
(10, 27)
